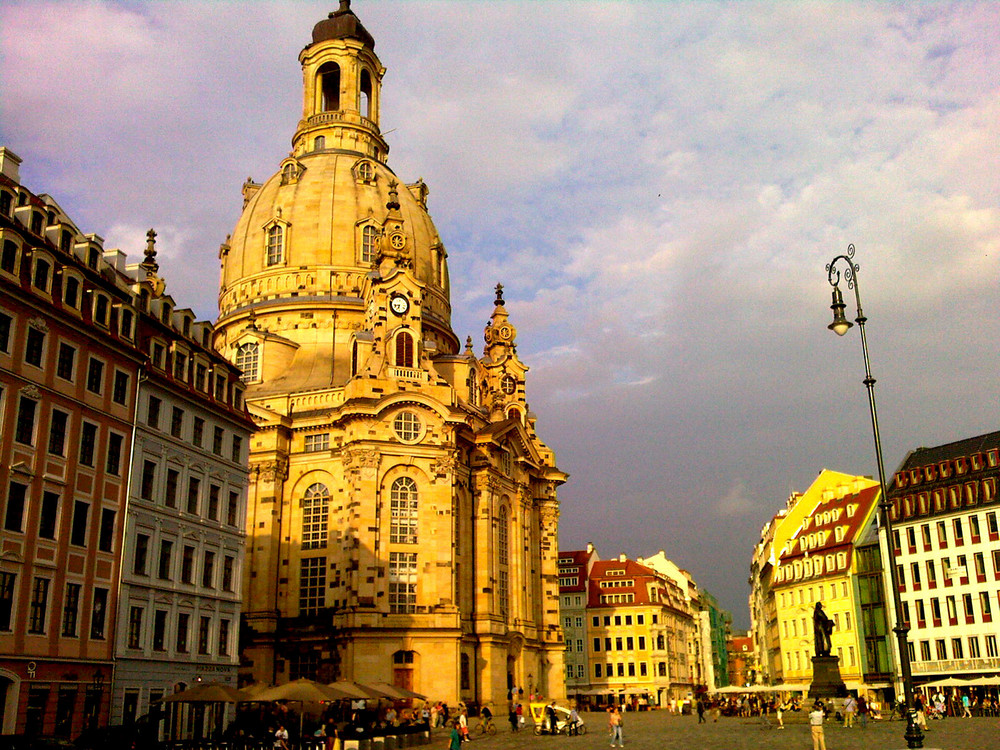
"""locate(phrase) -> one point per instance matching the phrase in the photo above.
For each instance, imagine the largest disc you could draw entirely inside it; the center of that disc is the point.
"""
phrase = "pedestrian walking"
(966, 713)
(850, 708)
(863, 711)
(700, 706)
(512, 718)
(615, 724)
(816, 717)
(455, 740)
(779, 712)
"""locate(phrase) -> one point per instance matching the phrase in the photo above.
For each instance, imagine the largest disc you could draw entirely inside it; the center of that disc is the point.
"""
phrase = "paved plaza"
(658, 730)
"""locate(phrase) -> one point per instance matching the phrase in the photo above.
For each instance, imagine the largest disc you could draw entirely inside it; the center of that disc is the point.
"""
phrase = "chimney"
(10, 164)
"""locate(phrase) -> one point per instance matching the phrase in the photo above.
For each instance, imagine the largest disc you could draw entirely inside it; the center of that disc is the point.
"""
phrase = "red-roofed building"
(638, 627)
(574, 574)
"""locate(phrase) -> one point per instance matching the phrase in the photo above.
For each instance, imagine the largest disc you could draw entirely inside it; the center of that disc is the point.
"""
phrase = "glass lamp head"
(840, 324)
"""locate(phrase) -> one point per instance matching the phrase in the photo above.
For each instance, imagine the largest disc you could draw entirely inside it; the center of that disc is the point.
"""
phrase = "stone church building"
(402, 514)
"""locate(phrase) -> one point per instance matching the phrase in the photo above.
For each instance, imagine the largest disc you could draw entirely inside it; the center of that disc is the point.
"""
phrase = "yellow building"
(402, 514)
(816, 563)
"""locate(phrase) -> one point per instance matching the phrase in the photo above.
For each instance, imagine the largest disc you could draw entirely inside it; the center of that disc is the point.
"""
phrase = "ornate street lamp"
(840, 325)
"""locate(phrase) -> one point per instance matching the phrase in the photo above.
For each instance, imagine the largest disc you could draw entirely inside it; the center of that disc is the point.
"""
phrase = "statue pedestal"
(827, 682)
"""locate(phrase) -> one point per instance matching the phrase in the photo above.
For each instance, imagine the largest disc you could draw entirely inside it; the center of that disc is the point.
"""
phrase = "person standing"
(850, 708)
(463, 725)
(863, 711)
(816, 717)
(512, 717)
(550, 717)
(455, 740)
(779, 712)
(700, 706)
(615, 723)
(966, 713)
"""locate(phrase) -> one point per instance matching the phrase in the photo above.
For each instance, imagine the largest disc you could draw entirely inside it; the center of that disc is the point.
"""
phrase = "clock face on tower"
(399, 304)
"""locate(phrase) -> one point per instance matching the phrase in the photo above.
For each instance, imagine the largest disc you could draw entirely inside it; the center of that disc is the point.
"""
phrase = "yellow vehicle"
(562, 720)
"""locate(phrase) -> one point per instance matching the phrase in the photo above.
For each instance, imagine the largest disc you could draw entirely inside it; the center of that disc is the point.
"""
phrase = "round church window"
(407, 426)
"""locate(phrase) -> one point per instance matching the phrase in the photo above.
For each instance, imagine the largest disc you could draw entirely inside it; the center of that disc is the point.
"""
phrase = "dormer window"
(127, 322)
(6, 201)
(41, 277)
(71, 291)
(101, 310)
(369, 236)
(248, 360)
(65, 240)
(36, 222)
(329, 86)
(365, 172)
(9, 257)
(275, 249)
(93, 255)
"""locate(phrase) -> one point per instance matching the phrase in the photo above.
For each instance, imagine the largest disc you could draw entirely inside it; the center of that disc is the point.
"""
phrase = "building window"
(166, 559)
(34, 346)
(198, 433)
(176, 421)
(503, 554)
(223, 637)
(404, 350)
(106, 532)
(275, 245)
(402, 582)
(101, 304)
(66, 361)
(248, 361)
(38, 606)
(228, 568)
(95, 376)
(119, 391)
(153, 412)
(88, 443)
(183, 624)
(232, 508)
(407, 426)
(14, 515)
(316, 443)
(5, 324)
(48, 516)
(193, 497)
(236, 451)
(98, 613)
(315, 516)
(403, 504)
(159, 630)
(329, 87)
(213, 502)
(170, 489)
(141, 554)
(147, 480)
(135, 627)
(71, 292)
(368, 246)
(7, 581)
(40, 280)
(217, 437)
(114, 461)
(312, 586)
(24, 428)
(81, 518)
(208, 570)
(8, 260)
(187, 564)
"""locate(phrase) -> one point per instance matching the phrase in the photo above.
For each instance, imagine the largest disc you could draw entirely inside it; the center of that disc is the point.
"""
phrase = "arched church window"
(368, 235)
(248, 360)
(320, 143)
(465, 672)
(365, 94)
(503, 556)
(329, 84)
(354, 358)
(275, 245)
(404, 350)
(403, 507)
(315, 516)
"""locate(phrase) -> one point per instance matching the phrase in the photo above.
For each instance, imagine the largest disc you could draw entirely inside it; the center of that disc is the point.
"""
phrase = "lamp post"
(840, 325)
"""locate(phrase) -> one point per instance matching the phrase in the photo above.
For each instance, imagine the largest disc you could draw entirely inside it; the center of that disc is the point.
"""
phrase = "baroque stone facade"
(402, 513)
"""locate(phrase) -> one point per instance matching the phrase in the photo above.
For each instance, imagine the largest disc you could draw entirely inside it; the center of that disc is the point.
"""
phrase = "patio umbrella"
(392, 691)
(302, 691)
(354, 690)
(947, 682)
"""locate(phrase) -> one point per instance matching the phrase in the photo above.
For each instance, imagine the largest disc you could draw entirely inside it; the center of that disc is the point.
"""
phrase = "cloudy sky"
(658, 185)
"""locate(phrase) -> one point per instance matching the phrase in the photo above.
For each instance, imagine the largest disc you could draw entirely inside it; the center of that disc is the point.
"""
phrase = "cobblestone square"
(659, 730)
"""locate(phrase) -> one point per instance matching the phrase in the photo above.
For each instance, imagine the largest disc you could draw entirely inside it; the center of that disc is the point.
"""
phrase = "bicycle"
(485, 726)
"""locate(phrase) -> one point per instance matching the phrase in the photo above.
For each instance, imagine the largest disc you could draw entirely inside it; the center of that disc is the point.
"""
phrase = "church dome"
(313, 231)
(313, 236)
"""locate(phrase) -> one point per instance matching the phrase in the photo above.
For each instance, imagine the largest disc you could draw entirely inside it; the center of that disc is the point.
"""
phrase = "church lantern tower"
(402, 514)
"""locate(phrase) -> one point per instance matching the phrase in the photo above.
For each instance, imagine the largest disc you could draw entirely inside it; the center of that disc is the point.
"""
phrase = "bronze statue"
(822, 629)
